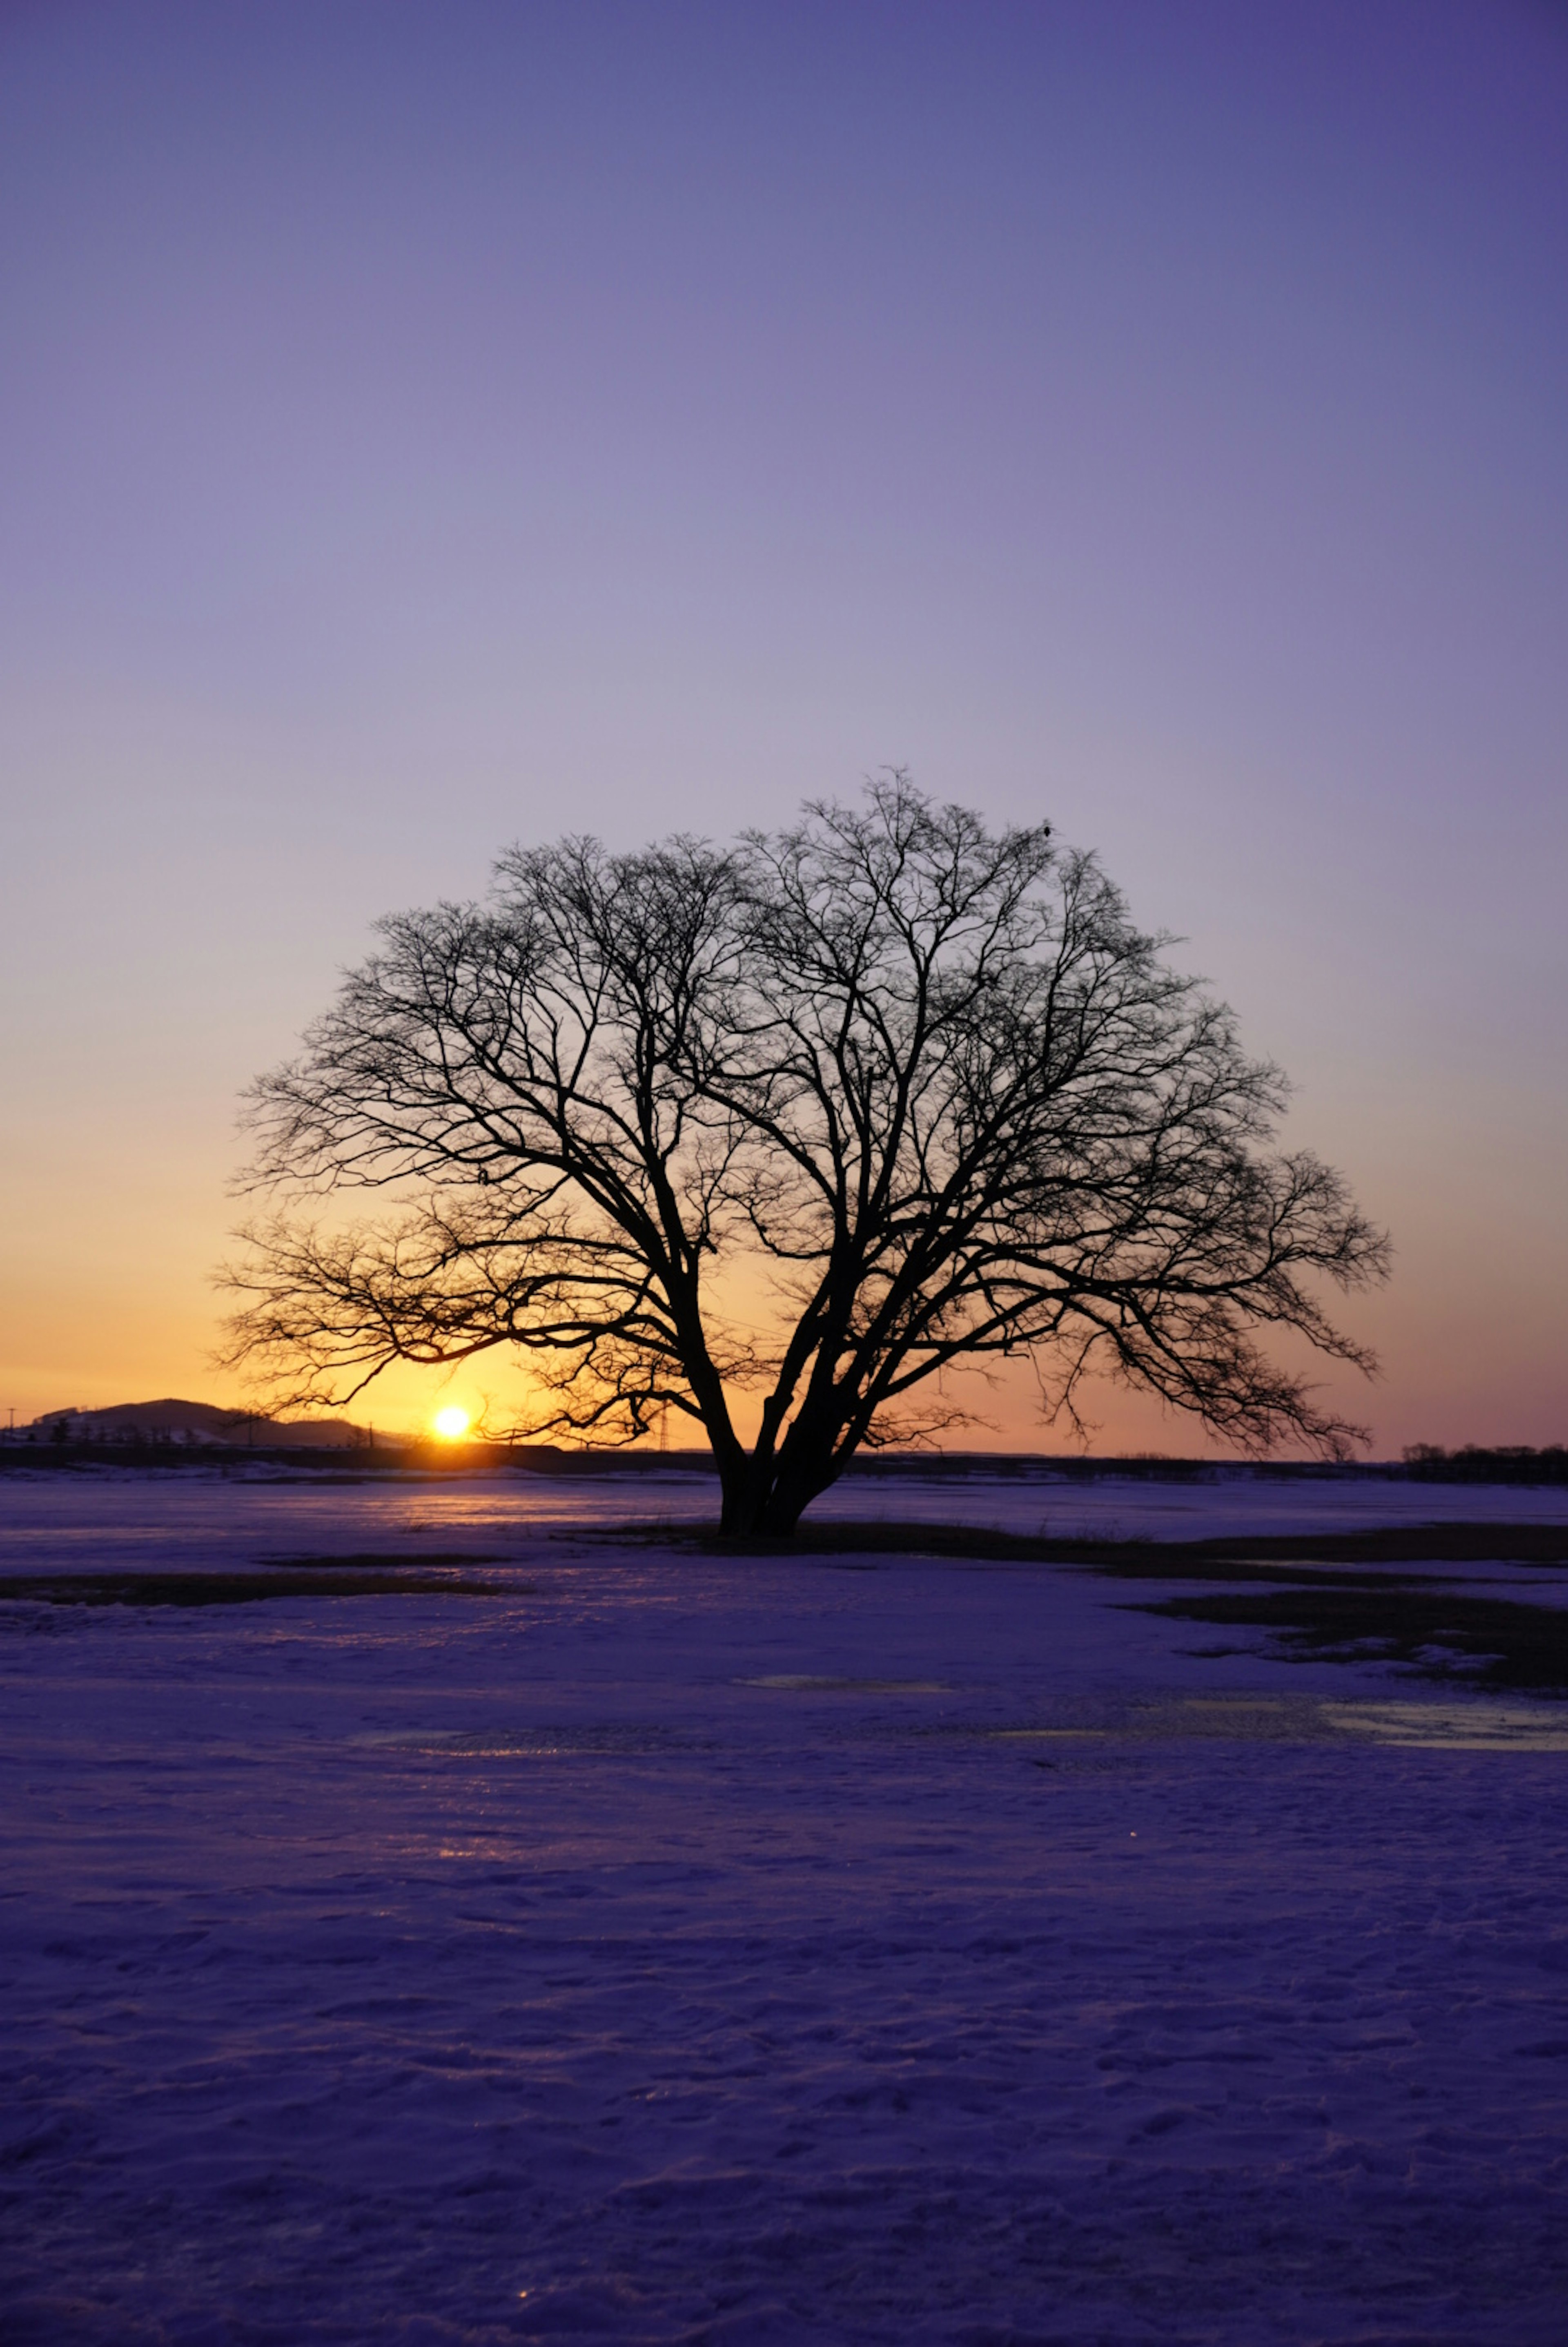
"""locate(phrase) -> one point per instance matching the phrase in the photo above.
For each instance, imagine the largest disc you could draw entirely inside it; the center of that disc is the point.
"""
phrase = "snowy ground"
(671, 1948)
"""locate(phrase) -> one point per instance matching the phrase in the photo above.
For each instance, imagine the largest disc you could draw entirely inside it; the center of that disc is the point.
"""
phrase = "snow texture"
(681, 1948)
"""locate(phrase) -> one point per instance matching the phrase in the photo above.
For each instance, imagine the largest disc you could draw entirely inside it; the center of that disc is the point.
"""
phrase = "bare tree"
(813, 1117)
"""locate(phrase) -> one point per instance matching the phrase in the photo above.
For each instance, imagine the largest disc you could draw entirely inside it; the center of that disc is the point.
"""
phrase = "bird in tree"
(802, 1121)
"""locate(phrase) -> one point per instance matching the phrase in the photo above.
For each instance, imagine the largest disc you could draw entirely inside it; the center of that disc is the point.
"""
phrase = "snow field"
(679, 1949)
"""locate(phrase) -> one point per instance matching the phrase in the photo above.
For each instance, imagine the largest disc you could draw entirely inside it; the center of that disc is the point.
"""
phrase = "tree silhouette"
(929, 1080)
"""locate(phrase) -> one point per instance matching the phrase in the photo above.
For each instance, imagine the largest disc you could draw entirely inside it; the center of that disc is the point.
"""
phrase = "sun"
(450, 1423)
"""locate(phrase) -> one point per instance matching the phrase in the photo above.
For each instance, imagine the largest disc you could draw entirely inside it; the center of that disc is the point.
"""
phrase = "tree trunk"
(745, 1511)
(764, 1499)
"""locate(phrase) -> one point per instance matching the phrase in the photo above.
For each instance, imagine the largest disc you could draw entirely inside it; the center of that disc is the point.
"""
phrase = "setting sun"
(450, 1423)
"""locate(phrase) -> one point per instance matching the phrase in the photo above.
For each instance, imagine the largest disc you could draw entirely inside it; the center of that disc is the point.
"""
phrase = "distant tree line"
(1514, 1462)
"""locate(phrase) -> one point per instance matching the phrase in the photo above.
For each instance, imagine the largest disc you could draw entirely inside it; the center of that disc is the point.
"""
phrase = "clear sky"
(424, 427)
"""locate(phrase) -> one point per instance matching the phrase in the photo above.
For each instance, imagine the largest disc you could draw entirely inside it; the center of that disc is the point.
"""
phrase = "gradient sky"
(423, 427)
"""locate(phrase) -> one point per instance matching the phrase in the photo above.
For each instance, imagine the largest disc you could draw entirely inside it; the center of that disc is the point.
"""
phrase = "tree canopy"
(812, 1118)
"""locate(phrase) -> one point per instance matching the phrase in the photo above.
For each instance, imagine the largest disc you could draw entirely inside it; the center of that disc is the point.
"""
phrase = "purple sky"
(424, 427)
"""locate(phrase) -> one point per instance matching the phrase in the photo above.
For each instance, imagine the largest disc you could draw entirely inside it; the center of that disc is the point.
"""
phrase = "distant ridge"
(172, 1420)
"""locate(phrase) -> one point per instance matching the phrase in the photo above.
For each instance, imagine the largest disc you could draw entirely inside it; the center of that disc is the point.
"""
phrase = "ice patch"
(1470, 1726)
(803, 1683)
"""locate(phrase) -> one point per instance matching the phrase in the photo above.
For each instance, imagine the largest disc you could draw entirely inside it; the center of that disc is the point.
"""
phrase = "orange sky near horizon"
(135, 1318)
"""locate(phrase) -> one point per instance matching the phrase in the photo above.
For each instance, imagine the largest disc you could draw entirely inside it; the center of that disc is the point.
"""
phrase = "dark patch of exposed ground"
(1226, 1559)
(1304, 1589)
(423, 1559)
(1437, 1632)
(243, 1588)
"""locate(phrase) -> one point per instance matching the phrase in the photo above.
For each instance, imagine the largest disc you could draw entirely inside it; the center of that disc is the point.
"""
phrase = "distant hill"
(171, 1421)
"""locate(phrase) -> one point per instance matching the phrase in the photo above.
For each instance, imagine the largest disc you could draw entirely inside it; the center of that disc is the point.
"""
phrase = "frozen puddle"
(802, 1683)
(1467, 1723)
(1470, 1726)
(610, 1738)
